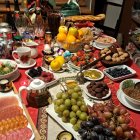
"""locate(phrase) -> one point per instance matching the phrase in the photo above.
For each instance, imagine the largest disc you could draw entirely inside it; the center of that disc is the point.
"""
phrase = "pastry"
(85, 18)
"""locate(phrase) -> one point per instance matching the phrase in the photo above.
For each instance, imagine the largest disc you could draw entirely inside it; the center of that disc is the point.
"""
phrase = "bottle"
(45, 7)
(39, 22)
(8, 17)
(26, 11)
(16, 10)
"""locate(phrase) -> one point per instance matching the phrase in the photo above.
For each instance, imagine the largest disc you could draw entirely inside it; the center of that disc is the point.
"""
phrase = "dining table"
(52, 127)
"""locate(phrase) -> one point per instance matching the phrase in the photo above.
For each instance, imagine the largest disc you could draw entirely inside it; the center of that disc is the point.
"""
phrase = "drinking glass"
(54, 21)
(21, 24)
(31, 30)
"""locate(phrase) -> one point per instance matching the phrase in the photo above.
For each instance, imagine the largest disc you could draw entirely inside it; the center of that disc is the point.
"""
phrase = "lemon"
(60, 59)
(61, 37)
(63, 29)
(70, 39)
(55, 65)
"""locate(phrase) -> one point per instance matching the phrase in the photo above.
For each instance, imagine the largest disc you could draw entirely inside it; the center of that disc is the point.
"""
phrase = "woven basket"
(75, 46)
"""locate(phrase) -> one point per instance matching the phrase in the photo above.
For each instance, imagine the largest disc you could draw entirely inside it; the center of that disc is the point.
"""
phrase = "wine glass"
(21, 24)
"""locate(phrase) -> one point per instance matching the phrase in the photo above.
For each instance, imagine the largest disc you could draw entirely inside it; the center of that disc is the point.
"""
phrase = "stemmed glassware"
(21, 24)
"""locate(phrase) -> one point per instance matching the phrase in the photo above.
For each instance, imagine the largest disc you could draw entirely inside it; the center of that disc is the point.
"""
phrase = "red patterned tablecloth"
(114, 87)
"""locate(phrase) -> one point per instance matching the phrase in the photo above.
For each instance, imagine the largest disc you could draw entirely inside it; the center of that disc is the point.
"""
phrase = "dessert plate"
(93, 97)
(32, 63)
(125, 102)
(94, 77)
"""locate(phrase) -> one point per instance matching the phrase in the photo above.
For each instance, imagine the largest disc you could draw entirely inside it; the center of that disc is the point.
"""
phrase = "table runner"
(42, 122)
(23, 80)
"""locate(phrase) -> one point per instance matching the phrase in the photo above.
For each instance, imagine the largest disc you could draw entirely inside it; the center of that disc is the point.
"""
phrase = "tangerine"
(70, 39)
(61, 37)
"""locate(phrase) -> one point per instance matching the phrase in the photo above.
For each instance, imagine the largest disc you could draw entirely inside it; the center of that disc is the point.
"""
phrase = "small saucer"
(32, 63)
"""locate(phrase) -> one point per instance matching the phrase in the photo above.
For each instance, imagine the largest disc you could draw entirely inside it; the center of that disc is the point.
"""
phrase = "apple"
(73, 31)
(63, 29)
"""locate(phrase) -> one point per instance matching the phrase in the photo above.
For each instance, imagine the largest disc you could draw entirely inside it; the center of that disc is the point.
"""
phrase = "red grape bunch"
(114, 117)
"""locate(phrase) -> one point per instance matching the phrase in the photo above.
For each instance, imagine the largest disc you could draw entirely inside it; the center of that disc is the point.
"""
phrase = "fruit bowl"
(130, 89)
(105, 41)
(7, 68)
(73, 38)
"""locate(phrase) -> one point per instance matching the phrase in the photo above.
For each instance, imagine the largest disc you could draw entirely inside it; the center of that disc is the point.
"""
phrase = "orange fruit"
(70, 39)
(55, 65)
(80, 34)
(66, 46)
(61, 37)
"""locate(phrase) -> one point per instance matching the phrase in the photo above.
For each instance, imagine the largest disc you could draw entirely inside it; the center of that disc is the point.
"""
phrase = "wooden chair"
(113, 10)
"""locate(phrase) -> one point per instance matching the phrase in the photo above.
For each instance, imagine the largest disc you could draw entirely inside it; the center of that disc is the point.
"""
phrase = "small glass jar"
(48, 37)
(17, 42)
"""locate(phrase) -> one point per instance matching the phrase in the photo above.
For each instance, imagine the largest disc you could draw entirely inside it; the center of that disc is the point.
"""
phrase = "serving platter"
(121, 97)
(71, 64)
(47, 84)
(50, 110)
(84, 87)
(133, 72)
(12, 94)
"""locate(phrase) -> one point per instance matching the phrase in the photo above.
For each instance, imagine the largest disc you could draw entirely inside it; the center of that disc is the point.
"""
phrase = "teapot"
(37, 93)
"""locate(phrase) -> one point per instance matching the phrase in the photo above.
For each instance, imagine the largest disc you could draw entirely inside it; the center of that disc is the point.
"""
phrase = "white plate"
(125, 102)
(47, 84)
(93, 97)
(32, 63)
(11, 93)
(102, 75)
(133, 72)
(97, 47)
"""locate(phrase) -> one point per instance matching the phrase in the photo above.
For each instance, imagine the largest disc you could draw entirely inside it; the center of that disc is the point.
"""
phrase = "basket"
(75, 46)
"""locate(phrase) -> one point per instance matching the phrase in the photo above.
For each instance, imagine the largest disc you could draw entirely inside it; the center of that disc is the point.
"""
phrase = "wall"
(126, 21)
